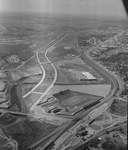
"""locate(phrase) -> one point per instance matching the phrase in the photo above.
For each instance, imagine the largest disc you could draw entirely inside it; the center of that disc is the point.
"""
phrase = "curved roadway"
(115, 86)
(51, 44)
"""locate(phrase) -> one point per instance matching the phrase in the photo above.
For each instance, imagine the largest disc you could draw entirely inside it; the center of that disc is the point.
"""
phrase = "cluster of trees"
(109, 145)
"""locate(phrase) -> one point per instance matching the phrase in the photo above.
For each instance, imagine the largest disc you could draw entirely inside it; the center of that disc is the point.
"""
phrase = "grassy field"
(25, 88)
(32, 79)
(106, 125)
(12, 49)
(31, 99)
(118, 107)
(42, 58)
(26, 131)
(32, 62)
(69, 40)
(44, 86)
(60, 53)
(95, 127)
(23, 73)
(102, 117)
(66, 76)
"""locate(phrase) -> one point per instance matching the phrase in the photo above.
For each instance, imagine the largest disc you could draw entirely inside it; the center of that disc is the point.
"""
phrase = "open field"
(43, 59)
(17, 74)
(60, 53)
(32, 79)
(65, 77)
(69, 40)
(106, 125)
(63, 49)
(12, 49)
(102, 117)
(72, 69)
(25, 88)
(33, 70)
(7, 119)
(50, 72)
(118, 107)
(31, 99)
(32, 62)
(95, 127)
(44, 86)
(26, 130)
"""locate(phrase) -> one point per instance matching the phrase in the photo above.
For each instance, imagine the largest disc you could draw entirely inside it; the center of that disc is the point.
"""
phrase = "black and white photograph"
(63, 74)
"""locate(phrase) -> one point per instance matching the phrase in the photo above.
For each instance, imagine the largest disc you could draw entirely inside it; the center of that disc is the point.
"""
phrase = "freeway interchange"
(68, 131)
(93, 112)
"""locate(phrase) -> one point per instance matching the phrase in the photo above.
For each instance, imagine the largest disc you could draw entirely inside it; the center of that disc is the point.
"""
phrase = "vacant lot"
(12, 49)
(118, 107)
(102, 117)
(60, 53)
(65, 75)
(25, 88)
(31, 99)
(26, 131)
(95, 127)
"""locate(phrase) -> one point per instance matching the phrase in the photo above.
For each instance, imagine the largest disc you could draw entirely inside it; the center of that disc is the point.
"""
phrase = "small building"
(88, 75)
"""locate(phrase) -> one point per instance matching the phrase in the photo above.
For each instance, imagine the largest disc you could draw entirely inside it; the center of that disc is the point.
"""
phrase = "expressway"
(60, 140)
(115, 87)
(37, 56)
(36, 89)
(44, 74)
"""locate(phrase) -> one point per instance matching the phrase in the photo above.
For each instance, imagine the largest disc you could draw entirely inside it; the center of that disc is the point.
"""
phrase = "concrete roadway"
(37, 53)
(44, 74)
(115, 86)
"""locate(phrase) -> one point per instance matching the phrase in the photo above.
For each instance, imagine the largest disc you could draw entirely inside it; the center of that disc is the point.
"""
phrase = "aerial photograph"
(63, 74)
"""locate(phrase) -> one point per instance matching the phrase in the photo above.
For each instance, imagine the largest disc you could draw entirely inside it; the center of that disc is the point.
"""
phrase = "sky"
(100, 8)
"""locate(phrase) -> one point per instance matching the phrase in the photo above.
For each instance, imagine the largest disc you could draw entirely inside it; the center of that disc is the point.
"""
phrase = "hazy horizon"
(85, 8)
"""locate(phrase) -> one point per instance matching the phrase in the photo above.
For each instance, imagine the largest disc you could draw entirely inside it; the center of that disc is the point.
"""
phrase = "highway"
(44, 74)
(115, 87)
(44, 51)
(43, 71)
